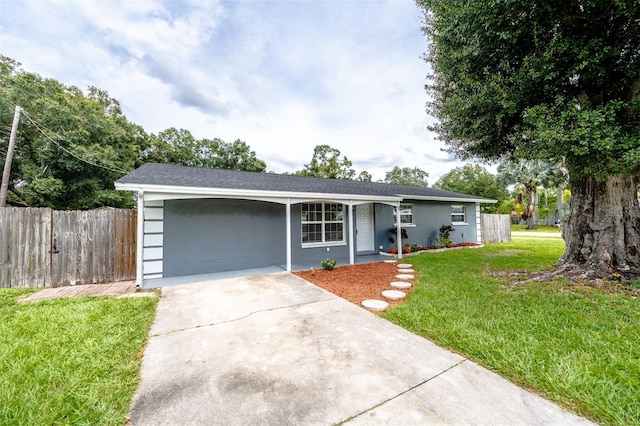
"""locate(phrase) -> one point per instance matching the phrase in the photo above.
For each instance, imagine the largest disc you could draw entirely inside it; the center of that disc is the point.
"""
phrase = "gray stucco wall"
(428, 216)
(213, 235)
(300, 255)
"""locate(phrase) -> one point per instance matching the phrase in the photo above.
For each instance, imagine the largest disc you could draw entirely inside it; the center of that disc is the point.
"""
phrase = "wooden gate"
(40, 247)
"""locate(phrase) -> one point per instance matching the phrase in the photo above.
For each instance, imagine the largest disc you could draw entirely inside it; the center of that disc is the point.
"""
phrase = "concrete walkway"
(277, 350)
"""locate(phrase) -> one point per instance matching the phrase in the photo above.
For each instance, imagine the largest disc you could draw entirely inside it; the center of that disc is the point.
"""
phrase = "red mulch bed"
(357, 282)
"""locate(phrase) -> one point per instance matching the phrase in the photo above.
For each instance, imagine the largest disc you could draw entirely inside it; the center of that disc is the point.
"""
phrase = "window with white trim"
(406, 214)
(322, 223)
(458, 214)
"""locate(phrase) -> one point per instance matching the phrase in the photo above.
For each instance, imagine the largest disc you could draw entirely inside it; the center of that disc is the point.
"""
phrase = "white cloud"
(284, 76)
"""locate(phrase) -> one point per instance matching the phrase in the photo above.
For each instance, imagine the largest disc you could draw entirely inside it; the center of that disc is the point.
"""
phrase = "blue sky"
(284, 76)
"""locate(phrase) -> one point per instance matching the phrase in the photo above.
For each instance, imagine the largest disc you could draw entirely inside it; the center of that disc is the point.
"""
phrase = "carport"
(196, 221)
(249, 272)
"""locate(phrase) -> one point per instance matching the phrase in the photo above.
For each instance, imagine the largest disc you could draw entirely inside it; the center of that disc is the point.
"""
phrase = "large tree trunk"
(602, 234)
(531, 208)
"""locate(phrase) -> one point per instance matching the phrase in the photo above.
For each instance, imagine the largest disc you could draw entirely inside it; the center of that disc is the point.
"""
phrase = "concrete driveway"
(275, 350)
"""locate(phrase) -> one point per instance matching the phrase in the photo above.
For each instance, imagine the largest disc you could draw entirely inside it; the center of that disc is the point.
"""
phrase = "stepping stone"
(375, 305)
(400, 284)
(393, 294)
(390, 261)
(404, 276)
(404, 265)
(406, 271)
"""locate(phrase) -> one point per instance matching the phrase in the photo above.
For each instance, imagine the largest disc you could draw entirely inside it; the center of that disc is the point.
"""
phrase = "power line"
(40, 127)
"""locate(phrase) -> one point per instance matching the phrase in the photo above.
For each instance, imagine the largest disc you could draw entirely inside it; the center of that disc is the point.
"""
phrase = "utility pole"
(7, 163)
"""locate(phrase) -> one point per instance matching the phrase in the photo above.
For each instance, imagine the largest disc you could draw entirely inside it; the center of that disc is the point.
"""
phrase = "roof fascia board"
(249, 193)
(157, 196)
(448, 199)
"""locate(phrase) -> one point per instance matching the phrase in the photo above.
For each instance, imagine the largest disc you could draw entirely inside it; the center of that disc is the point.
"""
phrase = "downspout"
(288, 214)
(399, 228)
(140, 239)
(351, 242)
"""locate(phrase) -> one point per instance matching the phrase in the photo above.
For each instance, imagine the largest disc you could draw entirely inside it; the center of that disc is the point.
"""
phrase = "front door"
(364, 228)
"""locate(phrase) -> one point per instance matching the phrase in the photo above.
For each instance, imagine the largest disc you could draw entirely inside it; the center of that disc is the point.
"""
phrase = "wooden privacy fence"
(41, 247)
(496, 228)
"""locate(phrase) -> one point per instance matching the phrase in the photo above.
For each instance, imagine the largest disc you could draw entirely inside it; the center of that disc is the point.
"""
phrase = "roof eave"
(448, 199)
(249, 193)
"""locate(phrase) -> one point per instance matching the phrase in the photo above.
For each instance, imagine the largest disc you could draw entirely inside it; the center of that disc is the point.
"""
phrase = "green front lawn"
(576, 345)
(70, 361)
(538, 228)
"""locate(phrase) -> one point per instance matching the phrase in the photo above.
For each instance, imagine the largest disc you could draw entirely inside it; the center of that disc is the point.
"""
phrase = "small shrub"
(543, 212)
(415, 247)
(393, 234)
(328, 264)
(444, 242)
(445, 231)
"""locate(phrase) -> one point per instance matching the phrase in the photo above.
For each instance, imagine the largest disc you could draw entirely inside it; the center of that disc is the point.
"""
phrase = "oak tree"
(557, 80)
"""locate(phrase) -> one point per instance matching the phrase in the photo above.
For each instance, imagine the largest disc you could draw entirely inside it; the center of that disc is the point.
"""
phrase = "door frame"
(370, 228)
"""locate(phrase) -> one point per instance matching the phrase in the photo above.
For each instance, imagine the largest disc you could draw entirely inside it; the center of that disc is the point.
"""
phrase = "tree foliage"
(72, 146)
(548, 79)
(551, 80)
(364, 176)
(327, 163)
(173, 146)
(474, 180)
(406, 176)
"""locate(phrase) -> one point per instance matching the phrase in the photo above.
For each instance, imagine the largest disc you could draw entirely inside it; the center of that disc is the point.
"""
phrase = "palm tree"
(530, 174)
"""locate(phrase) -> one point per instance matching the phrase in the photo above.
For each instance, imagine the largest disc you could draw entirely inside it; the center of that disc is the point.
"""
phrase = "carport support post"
(140, 238)
(399, 229)
(288, 232)
(351, 242)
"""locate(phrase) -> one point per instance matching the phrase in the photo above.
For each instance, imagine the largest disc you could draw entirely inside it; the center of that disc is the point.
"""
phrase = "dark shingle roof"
(198, 177)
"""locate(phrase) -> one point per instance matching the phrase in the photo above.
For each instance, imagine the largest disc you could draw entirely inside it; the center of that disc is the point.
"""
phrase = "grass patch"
(576, 345)
(538, 228)
(72, 360)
